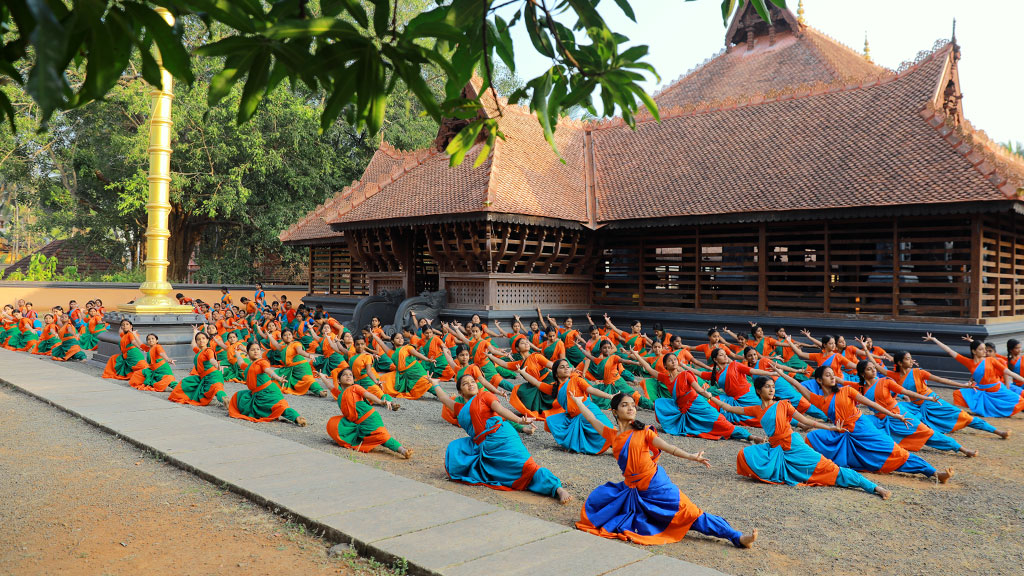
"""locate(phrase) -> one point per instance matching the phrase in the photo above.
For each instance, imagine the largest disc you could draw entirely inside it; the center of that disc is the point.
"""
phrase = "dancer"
(862, 445)
(48, 338)
(731, 378)
(157, 376)
(646, 507)
(493, 455)
(939, 415)
(786, 458)
(359, 427)
(89, 338)
(912, 434)
(206, 383)
(990, 397)
(68, 348)
(686, 412)
(263, 400)
(131, 358)
(569, 430)
(297, 372)
(411, 379)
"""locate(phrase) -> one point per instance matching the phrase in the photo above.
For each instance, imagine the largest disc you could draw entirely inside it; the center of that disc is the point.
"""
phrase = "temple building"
(789, 177)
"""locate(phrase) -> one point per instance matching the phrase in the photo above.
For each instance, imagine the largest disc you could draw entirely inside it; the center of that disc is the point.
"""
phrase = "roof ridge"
(675, 83)
(793, 92)
(1003, 170)
(816, 36)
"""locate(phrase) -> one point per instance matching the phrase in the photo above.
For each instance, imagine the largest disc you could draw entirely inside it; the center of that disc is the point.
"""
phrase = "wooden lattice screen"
(332, 270)
(1002, 258)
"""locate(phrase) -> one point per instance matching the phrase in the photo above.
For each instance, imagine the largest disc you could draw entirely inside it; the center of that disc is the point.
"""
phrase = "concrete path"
(384, 516)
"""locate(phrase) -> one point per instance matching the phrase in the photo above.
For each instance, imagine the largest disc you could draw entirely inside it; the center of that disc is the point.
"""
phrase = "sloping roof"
(68, 253)
(825, 146)
(521, 176)
(802, 57)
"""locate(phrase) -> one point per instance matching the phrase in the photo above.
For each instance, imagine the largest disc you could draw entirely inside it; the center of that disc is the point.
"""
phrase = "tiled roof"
(804, 57)
(521, 176)
(68, 253)
(821, 147)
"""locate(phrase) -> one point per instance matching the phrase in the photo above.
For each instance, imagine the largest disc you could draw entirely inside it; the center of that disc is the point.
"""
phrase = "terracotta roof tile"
(857, 147)
(807, 57)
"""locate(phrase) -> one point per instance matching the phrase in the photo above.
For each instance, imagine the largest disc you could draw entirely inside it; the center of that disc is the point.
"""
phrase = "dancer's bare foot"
(301, 422)
(758, 439)
(226, 402)
(1004, 434)
(747, 540)
(407, 453)
(395, 406)
(944, 475)
(969, 453)
(883, 493)
(563, 496)
(322, 393)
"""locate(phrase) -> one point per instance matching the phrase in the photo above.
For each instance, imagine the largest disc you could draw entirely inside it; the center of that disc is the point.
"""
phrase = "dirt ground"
(975, 524)
(75, 500)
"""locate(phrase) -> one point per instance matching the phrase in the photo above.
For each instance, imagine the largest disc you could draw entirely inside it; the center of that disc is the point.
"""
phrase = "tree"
(1015, 148)
(354, 52)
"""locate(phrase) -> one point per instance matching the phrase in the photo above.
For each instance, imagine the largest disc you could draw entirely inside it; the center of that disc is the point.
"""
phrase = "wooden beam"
(542, 234)
(696, 263)
(310, 275)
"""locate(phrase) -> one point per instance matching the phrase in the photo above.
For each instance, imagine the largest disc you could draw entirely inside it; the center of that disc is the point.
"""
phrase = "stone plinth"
(174, 331)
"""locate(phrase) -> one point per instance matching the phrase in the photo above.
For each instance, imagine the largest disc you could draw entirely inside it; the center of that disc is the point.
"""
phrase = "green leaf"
(46, 82)
(341, 95)
(324, 27)
(762, 10)
(727, 9)
(538, 35)
(255, 86)
(7, 110)
(172, 53)
(463, 141)
(358, 13)
(227, 12)
(381, 17)
(503, 44)
(485, 150)
(626, 9)
(649, 102)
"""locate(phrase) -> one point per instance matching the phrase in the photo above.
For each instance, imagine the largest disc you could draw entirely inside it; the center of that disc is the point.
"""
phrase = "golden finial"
(867, 49)
(800, 14)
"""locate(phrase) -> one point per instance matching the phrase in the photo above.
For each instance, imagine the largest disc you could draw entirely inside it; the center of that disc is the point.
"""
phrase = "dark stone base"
(173, 330)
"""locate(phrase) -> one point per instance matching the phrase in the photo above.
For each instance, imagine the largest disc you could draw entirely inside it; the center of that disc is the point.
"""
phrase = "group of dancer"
(63, 335)
(758, 389)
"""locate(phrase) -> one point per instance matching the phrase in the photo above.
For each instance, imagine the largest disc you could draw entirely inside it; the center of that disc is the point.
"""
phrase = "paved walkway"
(385, 516)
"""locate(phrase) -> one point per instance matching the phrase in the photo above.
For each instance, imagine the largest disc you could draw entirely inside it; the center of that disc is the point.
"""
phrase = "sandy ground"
(973, 525)
(75, 500)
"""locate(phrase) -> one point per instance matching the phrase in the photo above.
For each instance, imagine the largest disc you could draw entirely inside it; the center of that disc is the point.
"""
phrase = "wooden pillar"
(310, 275)
(762, 267)
(696, 274)
(640, 271)
(974, 300)
(330, 270)
(895, 268)
(828, 272)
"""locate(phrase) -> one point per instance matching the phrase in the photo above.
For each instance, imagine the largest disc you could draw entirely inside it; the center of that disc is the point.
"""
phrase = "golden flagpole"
(156, 298)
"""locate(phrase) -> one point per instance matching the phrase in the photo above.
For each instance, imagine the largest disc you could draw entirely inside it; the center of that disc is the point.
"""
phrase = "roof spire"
(953, 39)
(800, 14)
(867, 49)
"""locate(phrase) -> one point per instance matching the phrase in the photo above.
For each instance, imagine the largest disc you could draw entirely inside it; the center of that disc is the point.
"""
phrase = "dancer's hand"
(928, 337)
(701, 459)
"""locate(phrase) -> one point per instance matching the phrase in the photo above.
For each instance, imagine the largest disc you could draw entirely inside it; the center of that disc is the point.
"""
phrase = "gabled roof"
(884, 143)
(520, 177)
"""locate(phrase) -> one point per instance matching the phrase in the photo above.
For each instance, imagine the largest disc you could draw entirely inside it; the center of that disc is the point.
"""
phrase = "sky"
(681, 35)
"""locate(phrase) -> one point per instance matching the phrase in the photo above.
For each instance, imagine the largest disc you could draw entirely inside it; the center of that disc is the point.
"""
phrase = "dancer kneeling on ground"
(646, 507)
(493, 455)
(207, 383)
(360, 427)
(786, 458)
(862, 445)
(263, 401)
(68, 348)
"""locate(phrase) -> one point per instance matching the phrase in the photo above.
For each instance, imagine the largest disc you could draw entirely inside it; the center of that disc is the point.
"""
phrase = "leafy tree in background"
(1015, 148)
(353, 52)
